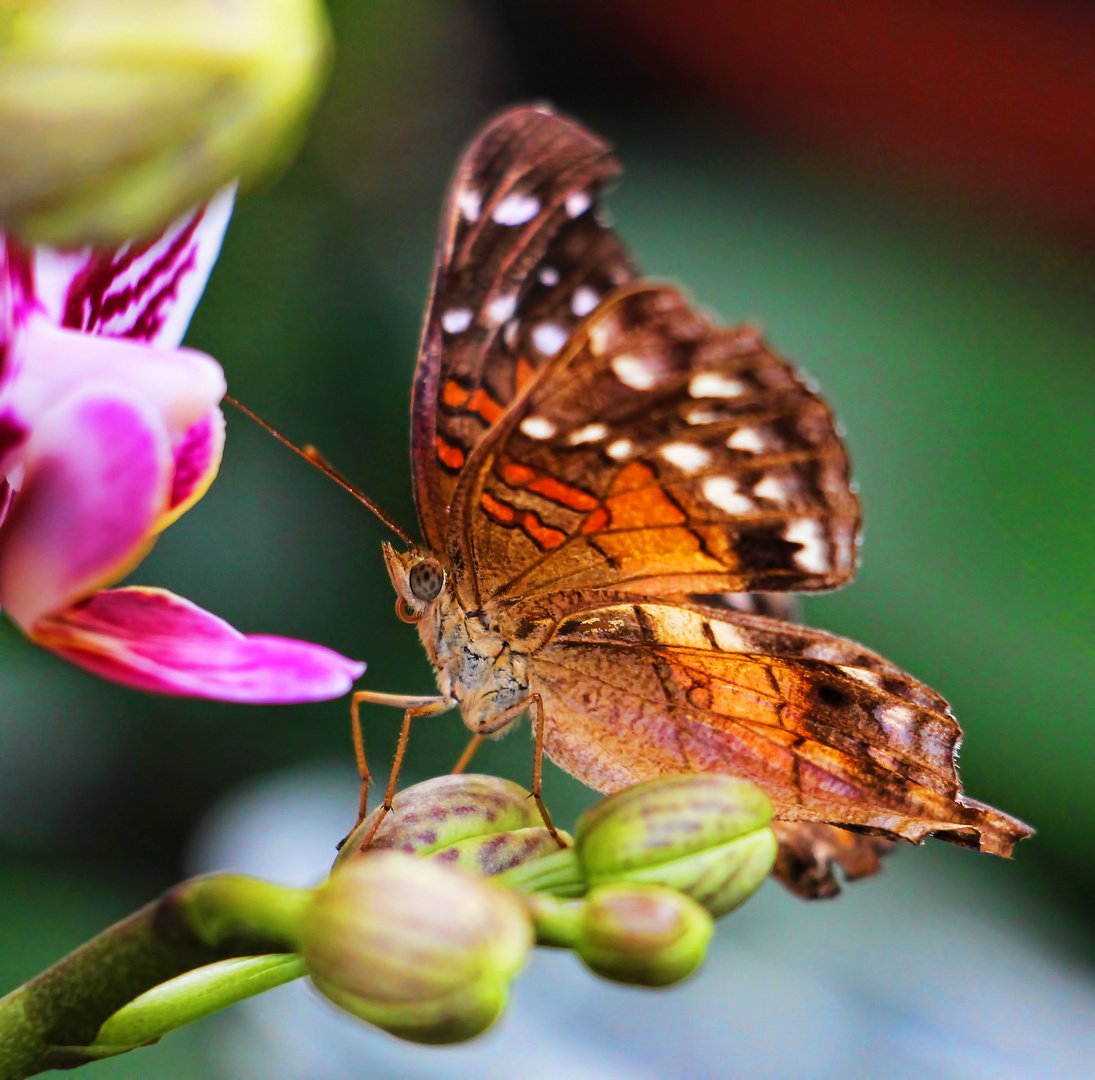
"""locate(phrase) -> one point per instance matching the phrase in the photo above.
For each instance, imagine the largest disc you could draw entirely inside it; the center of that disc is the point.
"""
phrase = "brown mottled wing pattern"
(521, 257)
(833, 733)
(657, 454)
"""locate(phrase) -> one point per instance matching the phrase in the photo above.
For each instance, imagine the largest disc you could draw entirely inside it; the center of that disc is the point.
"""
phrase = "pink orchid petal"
(98, 471)
(145, 290)
(151, 639)
(183, 385)
(197, 459)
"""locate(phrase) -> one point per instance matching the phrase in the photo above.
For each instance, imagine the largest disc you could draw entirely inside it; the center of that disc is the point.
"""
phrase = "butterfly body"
(477, 670)
(590, 454)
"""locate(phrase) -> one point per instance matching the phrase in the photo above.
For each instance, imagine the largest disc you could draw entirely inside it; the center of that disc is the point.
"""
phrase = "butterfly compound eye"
(427, 579)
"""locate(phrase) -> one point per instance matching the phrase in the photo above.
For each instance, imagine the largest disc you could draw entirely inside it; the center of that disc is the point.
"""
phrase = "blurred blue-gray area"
(955, 344)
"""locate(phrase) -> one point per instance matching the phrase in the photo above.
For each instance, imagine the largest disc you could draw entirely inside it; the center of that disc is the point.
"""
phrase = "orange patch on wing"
(525, 371)
(556, 490)
(596, 521)
(648, 507)
(500, 511)
(450, 455)
(517, 475)
(482, 403)
(544, 535)
(635, 475)
(454, 395)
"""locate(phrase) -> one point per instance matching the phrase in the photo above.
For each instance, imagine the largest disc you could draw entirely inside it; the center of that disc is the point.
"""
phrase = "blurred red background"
(991, 98)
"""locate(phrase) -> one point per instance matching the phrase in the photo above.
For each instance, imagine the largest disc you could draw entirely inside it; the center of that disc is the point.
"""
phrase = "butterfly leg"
(413, 706)
(467, 755)
(534, 705)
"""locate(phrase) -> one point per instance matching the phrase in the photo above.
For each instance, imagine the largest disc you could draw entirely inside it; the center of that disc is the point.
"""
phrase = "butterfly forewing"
(663, 455)
(521, 258)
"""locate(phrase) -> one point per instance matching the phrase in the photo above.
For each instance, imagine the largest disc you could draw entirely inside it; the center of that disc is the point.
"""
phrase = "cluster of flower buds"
(116, 115)
(417, 935)
(423, 932)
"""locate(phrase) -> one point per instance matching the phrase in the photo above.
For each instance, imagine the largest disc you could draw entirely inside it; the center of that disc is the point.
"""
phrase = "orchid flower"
(109, 431)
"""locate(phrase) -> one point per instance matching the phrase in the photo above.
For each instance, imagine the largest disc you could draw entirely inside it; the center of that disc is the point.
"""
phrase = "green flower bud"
(482, 824)
(116, 115)
(645, 934)
(705, 835)
(422, 951)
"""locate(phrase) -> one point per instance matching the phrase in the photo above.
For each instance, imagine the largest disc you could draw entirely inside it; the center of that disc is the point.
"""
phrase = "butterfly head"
(418, 580)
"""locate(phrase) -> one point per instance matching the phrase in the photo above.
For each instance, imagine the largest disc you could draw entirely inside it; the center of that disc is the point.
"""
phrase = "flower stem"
(558, 923)
(53, 1020)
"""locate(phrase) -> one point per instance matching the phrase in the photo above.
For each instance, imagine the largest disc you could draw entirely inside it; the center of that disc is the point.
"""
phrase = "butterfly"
(595, 465)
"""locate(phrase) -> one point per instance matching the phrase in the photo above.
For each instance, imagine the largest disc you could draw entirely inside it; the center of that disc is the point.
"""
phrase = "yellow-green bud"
(482, 824)
(422, 951)
(116, 115)
(645, 934)
(705, 835)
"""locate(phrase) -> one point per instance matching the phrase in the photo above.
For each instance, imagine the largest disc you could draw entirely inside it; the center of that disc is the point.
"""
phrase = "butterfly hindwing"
(832, 732)
(659, 454)
(521, 255)
(809, 853)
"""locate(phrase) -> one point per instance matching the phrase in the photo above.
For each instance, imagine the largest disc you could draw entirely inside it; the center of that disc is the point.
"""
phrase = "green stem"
(50, 1022)
(558, 922)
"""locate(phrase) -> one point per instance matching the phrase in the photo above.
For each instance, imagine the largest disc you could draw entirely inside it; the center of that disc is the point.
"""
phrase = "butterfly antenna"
(314, 457)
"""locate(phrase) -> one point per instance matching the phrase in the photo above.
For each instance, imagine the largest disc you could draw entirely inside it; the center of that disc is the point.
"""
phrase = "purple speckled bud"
(482, 824)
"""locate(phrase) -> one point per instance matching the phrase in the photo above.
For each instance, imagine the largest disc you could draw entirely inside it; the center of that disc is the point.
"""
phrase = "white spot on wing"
(701, 416)
(935, 742)
(583, 301)
(590, 433)
(455, 320)
(537, 427)
(509, 332)
(713, 384)
(687, 457)
(814, 556)
(470, 204)
(723, 492)
(577, 202)
(773, 489)
(620, 449)
(636, 371)
(898, 722)
(516, 209)
(830, 651)
(501, 308)
(747, 439)
(869, 678)
(599, 334)
(549, 338)
(730, 638)
(548, 275)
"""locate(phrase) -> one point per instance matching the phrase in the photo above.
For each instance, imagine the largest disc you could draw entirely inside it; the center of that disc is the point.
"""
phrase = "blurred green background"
(953, 336)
